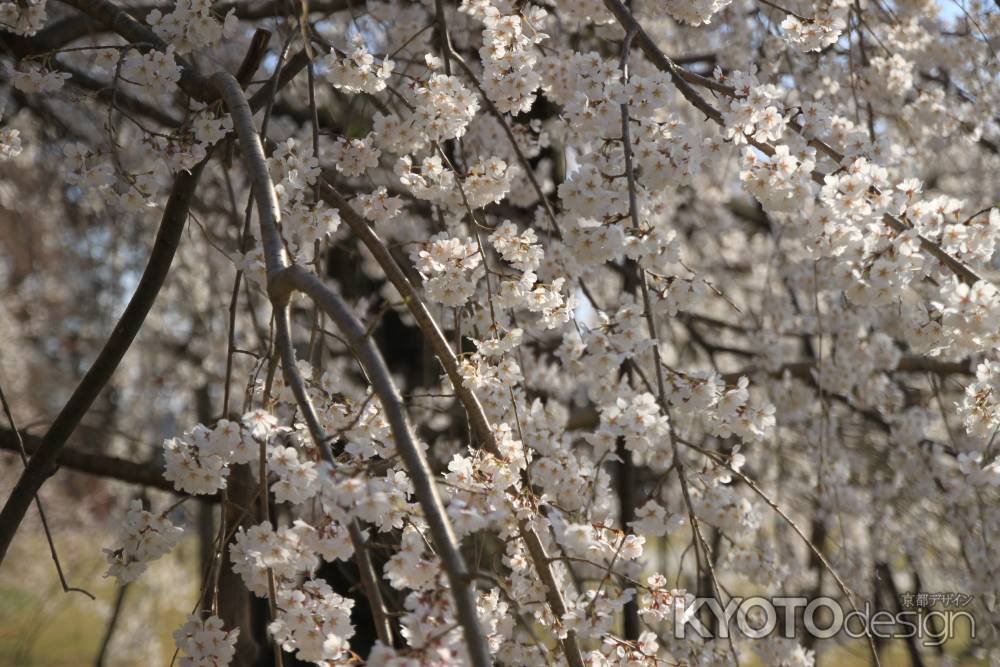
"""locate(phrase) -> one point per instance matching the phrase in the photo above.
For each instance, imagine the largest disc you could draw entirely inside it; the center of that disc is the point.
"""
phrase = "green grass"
(41, 626)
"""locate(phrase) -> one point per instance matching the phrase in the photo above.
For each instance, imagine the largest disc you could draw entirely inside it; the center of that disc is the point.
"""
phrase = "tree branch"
(478, 421)
(127, 26)
(98, 465)
(284, 278)
(44, 462)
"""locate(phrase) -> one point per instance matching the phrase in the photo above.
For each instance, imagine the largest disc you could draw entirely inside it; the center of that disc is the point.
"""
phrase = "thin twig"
(38, 503)
(109, 631)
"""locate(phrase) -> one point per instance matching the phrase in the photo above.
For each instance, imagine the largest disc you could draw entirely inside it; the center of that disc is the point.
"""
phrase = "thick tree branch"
(283, 280)
(63, 32)
(44, 462)
(428, 325)
(99, 465)
(370, 581)
(478, 421)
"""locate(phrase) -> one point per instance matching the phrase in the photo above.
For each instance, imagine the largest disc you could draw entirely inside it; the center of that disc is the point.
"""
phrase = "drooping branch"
(370, 581)
(284, 279)
(588, 417)
(909, 364)
(298, 279)
(428, 325)
(478, 421)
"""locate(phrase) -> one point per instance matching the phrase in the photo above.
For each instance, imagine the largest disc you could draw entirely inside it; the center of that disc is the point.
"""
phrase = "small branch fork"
(285, 278)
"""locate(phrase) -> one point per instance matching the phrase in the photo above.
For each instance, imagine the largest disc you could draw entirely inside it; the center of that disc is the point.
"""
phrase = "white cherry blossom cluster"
(781, 182)
(942, 218)
(304, 220)
(444, 108)
(567, 77)
(756, 111)
(694, 12)
(143, 538)
(593, 613)
(486, 182)
(313, 622)
(653, 519)
(671, 152)
(439, 108)
(298, 480)
(969, 317)
(665, 602)
(508, 53)
(328, 538)
(522, 251)
(816, 32)
(155, 70)
(35, 78)
(198, 462)
(523, 290)
(205, 643)
(209, 129)
(492, 375)
(357, 71)
(978, 469)
(737, 414)
(293, 166)
(480, 482)
(431, 181)
(286, 552)
(382, 501)
(892, 75)
(412, 567)
(191, 25)
(449, 266)
(87, 167)
(10, 141)
(180, 153)
(727, 508)
(674, 295)
(593, 243)
(980, 407)
(646, 430)
(23, 18)
(380, 206)
(354, 156)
